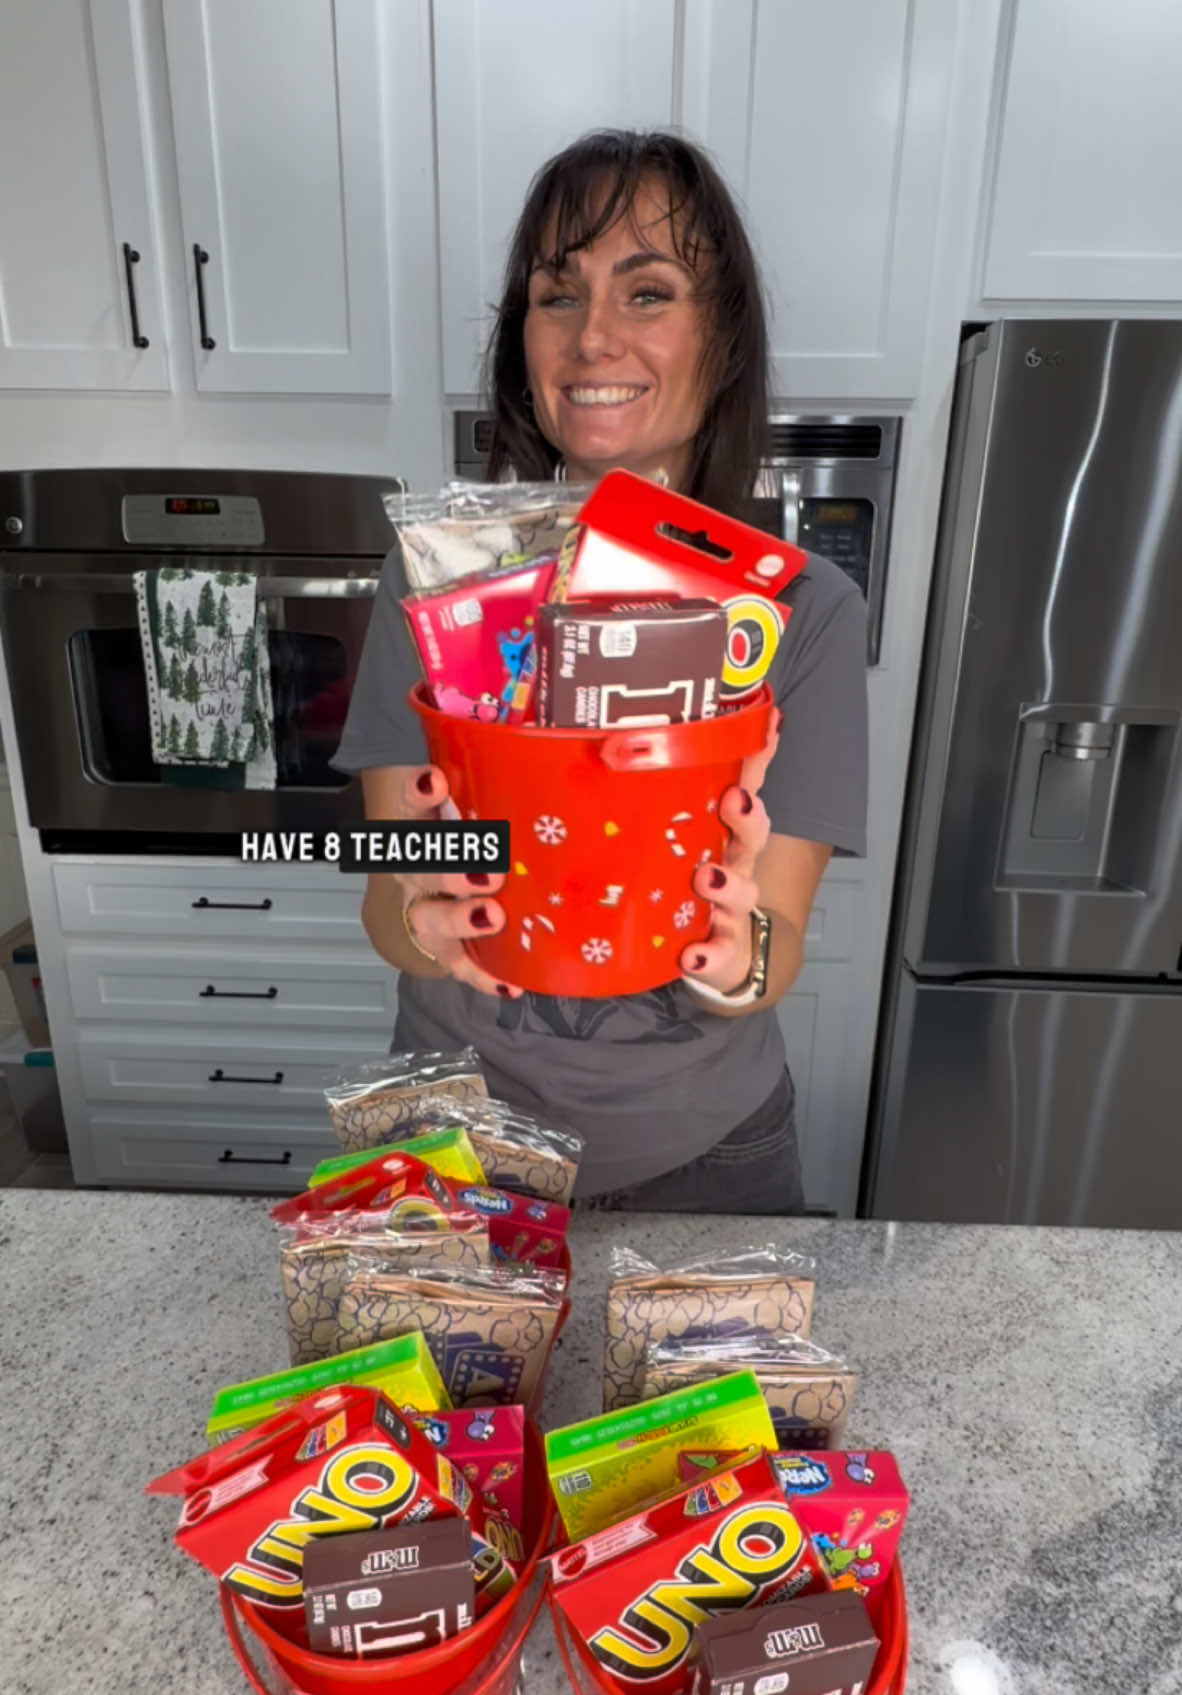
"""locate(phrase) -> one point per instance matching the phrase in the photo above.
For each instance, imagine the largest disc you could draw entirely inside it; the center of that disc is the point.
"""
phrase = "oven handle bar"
(268, 588)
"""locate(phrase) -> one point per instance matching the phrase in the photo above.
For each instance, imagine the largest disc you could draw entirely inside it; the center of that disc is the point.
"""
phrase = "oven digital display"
(835, 512)
(192, 506)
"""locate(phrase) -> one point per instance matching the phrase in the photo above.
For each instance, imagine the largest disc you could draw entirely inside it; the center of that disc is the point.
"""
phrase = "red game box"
(342, 1460)
(633, 537)
(405, 1194)
(486, 1444)
(519, 1228)
(635, 1591)
(853, 1503)
(475, 637)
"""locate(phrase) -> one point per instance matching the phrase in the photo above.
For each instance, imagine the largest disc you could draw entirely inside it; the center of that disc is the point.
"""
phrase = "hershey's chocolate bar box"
(819, 1645)
(603, 667)
(389, 1591)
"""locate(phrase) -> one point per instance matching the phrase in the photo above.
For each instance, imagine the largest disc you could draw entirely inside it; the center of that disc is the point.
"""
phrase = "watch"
(755, 986)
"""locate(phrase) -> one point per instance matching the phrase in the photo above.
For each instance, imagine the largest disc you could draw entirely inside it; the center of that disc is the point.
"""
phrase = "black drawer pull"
(130, 260)
(209, 993)
(231, 1158)
(204, 904)
(220, 1076)
(200, 260)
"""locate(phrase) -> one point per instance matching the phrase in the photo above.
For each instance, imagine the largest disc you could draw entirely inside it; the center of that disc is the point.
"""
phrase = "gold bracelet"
(407, 908)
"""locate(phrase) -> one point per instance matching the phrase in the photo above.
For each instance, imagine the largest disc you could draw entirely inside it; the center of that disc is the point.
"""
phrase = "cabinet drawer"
(250, 903)
(214, 1070)
(221, 986)
(239, 1155)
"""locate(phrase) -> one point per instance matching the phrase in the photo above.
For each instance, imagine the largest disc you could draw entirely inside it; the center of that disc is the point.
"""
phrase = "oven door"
(80, 703)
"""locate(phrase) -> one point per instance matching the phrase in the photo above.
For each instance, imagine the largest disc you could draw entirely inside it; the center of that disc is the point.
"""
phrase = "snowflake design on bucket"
(549, 830)
(597, 950)
(685, 914)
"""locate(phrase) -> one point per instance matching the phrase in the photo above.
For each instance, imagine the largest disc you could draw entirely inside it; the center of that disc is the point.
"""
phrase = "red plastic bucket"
(482, 1661)
(606, 829)
(889, 1677)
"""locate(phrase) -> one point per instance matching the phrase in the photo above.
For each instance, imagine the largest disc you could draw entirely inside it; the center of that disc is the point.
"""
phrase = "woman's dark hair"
(568, 208)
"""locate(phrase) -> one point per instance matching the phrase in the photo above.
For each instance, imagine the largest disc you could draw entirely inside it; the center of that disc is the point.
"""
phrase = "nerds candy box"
(635, 1592)
(342, 1460)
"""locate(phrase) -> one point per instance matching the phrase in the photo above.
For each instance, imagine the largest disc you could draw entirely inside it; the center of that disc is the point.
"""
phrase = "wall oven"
(70, 542)
(828, 486)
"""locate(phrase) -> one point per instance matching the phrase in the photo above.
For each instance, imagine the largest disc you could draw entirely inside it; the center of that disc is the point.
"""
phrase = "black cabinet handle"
(130, 259)
(231, 1158)
(204, 904)
(200, 259)
(209, 993)
(220, 1076)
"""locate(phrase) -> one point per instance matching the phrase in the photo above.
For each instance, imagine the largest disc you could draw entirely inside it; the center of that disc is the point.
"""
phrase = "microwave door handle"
(790, 507)
(268, 588)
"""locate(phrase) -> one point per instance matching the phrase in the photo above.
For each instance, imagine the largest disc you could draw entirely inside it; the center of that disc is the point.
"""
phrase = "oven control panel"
(840, 530)
(192, 520)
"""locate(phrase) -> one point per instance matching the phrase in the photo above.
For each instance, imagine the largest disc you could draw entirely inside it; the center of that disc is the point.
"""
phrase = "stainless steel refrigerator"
(1030, 1057)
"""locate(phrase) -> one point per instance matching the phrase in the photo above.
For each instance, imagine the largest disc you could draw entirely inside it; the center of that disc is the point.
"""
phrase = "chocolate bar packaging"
(759, 1289)
(602, 1469)
(487, 1444)
(343, 1460)
(634, 1593)
(818, 1645)
(599, 667)
(395, 1591)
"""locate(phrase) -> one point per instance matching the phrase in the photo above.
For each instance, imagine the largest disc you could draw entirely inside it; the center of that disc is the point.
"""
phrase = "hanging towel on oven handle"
(207, 670)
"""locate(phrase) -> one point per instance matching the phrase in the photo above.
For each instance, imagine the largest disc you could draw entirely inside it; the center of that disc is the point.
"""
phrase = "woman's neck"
(672, 469)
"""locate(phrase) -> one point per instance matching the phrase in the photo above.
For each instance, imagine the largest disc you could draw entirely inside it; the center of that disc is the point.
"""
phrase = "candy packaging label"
(600, 668)
(635, 1593)
(527, 1231)
(819, 1645)
(389, 1591)
(475, 638)
(487, 1445)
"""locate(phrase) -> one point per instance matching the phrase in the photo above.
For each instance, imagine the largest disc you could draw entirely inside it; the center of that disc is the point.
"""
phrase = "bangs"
(575, 207)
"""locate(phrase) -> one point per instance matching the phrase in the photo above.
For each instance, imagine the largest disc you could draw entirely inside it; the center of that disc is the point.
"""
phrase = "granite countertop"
(1029, 1381)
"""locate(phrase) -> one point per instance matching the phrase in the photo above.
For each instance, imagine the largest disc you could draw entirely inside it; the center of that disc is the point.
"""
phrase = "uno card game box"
(389, 1591)
(600, 1469)
(339, 1461)
(487, 1444)
(401, 1368)
(819, 1645)
(634, 1593)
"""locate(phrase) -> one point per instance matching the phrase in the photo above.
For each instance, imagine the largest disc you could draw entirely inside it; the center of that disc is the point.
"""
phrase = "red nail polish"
(480, 918)
(504, 991)
(699, 962)
(423, 783)
(717, 877)
(478, 879)
(745, 802)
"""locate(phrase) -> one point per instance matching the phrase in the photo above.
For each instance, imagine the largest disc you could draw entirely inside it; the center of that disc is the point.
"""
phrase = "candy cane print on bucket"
(483, 1660)
(606, 829)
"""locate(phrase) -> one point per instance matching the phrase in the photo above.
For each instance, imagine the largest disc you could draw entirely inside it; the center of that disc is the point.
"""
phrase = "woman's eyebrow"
(634, 262)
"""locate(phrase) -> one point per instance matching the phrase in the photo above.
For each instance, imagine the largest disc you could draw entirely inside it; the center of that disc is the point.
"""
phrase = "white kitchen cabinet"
(280, 159)
(829, 120)
(253, 904)
(74, 204)
(1087, 200)
(233, 1149)
(514, 83)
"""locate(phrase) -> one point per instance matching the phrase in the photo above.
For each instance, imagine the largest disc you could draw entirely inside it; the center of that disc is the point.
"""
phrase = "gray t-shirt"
(652, 1081)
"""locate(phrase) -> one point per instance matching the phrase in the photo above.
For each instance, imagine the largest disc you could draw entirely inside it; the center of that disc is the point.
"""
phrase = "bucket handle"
(241, 1654)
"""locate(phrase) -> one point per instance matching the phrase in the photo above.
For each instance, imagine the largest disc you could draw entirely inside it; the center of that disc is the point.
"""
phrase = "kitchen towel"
(208, 673)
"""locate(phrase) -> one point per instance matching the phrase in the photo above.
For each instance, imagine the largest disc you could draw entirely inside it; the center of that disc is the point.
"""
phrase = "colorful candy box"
(487, 1445)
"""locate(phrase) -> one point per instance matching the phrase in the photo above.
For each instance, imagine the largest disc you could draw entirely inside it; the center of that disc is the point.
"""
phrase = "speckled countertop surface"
(1029, 1381)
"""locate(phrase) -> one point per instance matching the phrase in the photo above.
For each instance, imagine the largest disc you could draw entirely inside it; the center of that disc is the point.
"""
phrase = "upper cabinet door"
(280, 154)
(514, 83)
(1088, 193)
(828, 117)
(73, 197)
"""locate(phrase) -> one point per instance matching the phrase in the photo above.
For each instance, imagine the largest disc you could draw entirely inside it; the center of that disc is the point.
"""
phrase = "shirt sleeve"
(816, 785)
(381, 728)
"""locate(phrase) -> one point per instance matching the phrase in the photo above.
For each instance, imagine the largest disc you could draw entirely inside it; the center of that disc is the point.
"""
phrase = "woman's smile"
(605, 394)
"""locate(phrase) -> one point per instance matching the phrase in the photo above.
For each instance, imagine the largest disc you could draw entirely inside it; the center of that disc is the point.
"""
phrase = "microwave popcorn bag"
(757, 1289)
(490, 1332)
(808, 1390)
(469, 527)
(374, 1103)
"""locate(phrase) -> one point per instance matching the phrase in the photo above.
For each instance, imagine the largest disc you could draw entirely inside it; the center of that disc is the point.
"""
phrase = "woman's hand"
(723, 961)
(442, 912)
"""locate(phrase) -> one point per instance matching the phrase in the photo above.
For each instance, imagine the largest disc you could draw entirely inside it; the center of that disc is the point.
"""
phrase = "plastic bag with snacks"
(375, 1102)
(489, 1331)
(759, 1287)
(469, 527)
(809, 1391)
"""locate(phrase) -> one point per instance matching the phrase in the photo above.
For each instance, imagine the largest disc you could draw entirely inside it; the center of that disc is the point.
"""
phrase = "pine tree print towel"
(204, 640)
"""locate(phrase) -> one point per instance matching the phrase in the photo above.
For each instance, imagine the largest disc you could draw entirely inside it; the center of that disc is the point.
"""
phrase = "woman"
(631, 334)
